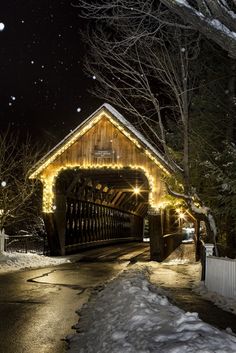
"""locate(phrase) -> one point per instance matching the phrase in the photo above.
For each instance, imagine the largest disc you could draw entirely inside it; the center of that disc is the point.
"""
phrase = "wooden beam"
(156, 238)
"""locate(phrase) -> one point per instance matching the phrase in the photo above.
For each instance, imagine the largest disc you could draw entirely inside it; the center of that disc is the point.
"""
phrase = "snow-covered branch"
(197, 208)
(217, 22)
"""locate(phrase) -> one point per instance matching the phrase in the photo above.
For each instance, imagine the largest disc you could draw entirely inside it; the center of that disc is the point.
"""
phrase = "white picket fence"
(221, 276)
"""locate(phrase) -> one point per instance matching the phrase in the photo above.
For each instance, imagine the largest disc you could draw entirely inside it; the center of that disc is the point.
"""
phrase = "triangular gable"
(119, 121)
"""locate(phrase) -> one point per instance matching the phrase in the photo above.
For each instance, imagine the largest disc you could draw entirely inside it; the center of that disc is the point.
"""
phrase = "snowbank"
(225, 303)
(129, 316)
(190, 276)
(16, 261)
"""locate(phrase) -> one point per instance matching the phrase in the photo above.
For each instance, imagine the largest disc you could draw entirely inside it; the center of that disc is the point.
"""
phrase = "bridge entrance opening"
(101, 206)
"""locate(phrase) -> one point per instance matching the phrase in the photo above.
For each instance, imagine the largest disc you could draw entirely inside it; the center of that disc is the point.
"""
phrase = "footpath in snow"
(130, 316)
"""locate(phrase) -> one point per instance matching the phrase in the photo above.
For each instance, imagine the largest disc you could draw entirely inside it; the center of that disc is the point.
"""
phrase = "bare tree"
(144, 59)
(16, 190)
(216, 19)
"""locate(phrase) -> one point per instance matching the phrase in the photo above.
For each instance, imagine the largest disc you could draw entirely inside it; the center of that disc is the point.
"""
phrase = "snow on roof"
(119, 117)
(130, 127)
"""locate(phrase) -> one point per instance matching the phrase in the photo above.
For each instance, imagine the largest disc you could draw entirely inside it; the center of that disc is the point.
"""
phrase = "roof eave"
(105, 108)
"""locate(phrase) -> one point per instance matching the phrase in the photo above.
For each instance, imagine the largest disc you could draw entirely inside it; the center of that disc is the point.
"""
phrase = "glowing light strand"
(81, 132)
(49, 182)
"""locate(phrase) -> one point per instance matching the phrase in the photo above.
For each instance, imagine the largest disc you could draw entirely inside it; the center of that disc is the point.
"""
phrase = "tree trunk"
(231, 101)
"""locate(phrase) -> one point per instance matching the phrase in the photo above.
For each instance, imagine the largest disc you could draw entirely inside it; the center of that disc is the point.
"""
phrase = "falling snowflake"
(13, 98)
(94, 77)
(3, 183)
(78, 110)
(183, 50)
(2, 26)
(32, 62)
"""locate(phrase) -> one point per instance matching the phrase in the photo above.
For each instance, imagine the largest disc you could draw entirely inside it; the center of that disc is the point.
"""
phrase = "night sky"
(43, 89)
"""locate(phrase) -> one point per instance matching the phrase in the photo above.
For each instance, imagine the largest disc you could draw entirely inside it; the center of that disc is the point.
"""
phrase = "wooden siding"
(105, 145)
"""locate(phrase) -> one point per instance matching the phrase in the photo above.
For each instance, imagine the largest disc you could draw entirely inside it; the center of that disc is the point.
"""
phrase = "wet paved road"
(37, 307)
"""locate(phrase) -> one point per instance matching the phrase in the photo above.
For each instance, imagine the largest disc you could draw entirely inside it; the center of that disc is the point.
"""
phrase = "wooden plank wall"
(105, 136)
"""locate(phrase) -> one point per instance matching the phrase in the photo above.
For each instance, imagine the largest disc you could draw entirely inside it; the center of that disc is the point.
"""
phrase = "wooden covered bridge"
(100, 182)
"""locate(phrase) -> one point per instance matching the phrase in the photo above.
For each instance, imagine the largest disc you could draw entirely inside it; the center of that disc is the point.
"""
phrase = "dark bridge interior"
(102, 204)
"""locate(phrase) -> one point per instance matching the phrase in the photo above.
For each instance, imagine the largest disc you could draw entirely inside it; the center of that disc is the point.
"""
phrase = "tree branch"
(219, 26)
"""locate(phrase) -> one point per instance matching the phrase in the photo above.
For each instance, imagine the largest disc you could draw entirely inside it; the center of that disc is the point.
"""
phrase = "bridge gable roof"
(119, 121)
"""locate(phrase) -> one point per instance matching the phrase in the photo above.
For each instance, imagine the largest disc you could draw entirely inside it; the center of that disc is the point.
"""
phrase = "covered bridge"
(100, 182)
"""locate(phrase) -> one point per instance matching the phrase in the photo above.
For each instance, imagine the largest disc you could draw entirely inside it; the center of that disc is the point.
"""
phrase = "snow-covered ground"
(189, 275)
(130, 316)
(17, 261)
(227, 304)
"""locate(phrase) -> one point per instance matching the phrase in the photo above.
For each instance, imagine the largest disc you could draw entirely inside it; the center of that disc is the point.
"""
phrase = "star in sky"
(42, 84)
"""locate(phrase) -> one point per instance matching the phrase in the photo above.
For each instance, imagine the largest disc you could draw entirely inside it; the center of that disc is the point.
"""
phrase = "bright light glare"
(146, 240)
(181, 215)
(136, 190)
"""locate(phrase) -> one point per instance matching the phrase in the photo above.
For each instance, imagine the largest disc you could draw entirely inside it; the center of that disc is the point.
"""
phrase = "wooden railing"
(88, 222)
(27, 243)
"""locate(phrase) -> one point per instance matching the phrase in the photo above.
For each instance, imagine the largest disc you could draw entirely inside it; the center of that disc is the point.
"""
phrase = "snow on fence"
(221, 276)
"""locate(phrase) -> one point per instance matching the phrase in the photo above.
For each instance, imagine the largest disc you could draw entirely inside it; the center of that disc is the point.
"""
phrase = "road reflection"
(37, 307)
